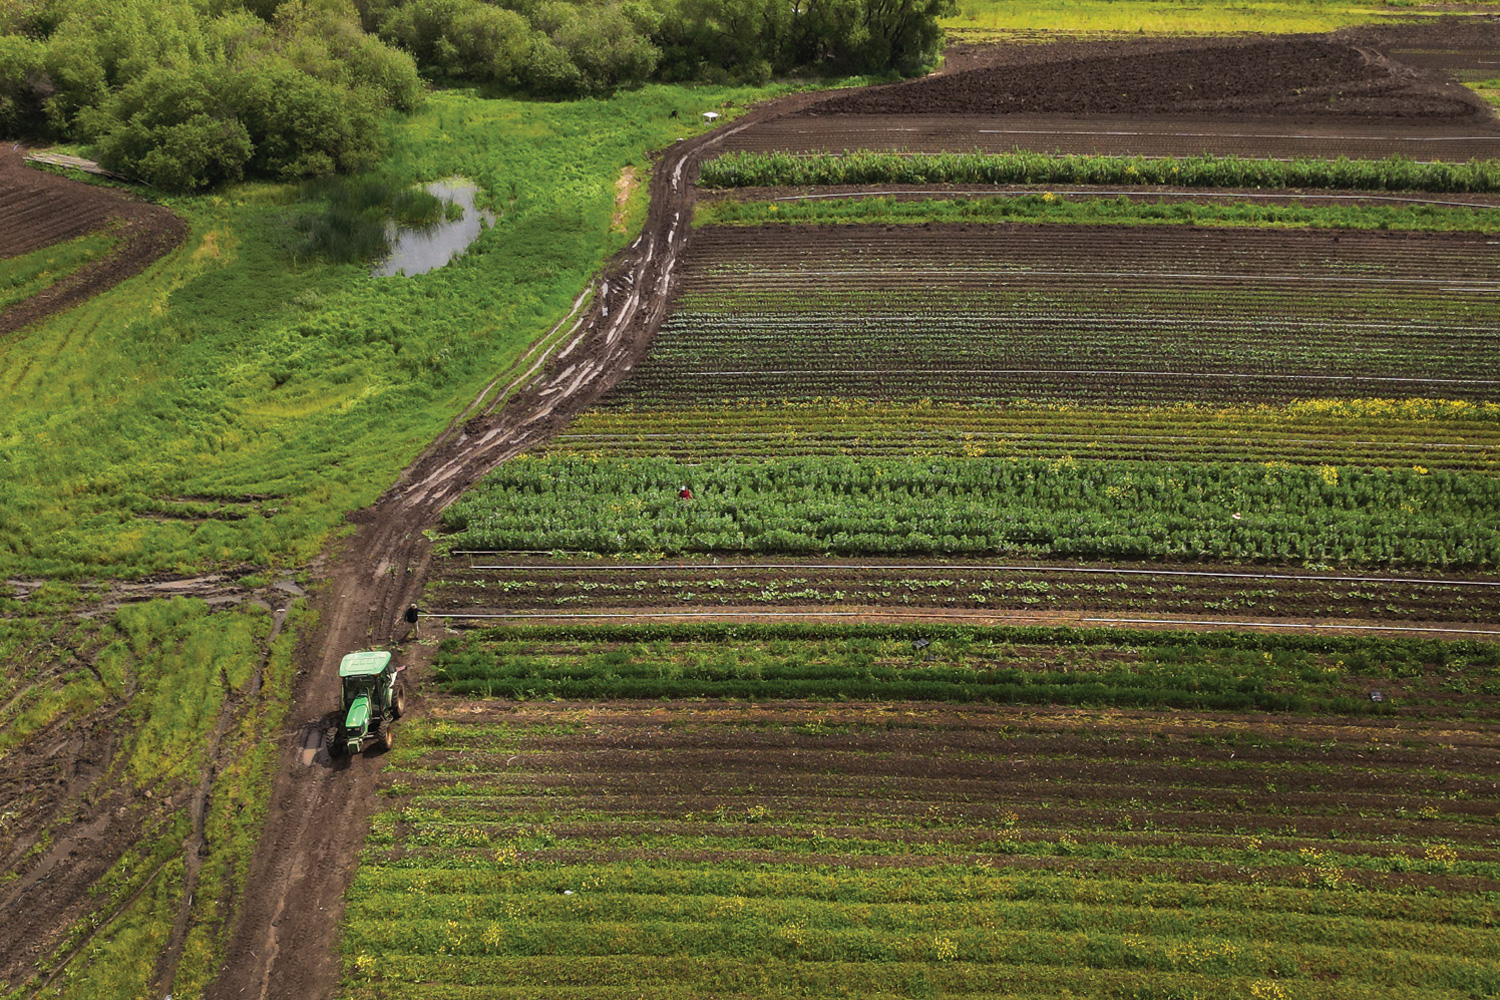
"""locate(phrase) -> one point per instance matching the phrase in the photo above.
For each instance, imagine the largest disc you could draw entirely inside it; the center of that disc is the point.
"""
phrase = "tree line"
(186, 94)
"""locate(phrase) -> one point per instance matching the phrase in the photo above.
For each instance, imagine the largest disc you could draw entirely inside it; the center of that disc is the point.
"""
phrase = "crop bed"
(1434, 434)
(726, 849)
(1076, 314)
(506, 584)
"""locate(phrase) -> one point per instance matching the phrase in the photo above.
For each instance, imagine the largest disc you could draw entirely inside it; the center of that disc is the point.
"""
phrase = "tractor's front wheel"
(387, 736)
(398, 700)
(338, 746)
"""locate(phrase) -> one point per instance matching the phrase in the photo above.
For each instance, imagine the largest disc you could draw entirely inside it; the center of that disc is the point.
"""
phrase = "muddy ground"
(41, 208)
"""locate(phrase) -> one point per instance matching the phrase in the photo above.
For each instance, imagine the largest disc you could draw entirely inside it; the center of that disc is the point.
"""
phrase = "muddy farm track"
(41, 208)
(319, 812)
(285, 938)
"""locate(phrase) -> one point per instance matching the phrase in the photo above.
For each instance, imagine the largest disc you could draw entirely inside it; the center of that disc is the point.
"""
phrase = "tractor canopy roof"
(364, 664)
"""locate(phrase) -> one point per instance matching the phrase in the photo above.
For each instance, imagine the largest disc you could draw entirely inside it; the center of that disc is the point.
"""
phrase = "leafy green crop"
(983, 506)
(862, 167)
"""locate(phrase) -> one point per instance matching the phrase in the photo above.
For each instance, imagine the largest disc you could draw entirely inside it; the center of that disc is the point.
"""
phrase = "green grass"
(24, 276)
(298, 391)
(1031, 508)
(979, 20)
(1121, 211)
(1036, 666)
(864, 167)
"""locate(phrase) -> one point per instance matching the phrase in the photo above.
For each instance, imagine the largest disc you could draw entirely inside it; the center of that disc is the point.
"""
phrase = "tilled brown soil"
(42, 208)
(1257, 136)
(1295, 77)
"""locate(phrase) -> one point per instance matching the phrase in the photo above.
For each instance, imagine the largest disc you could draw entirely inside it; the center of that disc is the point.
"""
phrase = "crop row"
(1394, 173)
(494, 664)
(1431, 433)
(984, 506)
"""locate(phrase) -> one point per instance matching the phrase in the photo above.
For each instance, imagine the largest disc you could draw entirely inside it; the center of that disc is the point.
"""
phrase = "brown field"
(42, 208)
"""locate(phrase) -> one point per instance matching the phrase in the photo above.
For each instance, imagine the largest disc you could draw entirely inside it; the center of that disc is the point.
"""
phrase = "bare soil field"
(42, 208)
(1123, 134)
(1278, 98)
(1295, 78)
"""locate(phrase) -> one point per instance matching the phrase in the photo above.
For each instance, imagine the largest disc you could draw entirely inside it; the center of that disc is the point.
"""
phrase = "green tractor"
(373, 700)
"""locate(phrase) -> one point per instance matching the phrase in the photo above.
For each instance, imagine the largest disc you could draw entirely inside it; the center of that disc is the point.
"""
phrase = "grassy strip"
(24, 276)
(864, 167)
(295, 391)
(1122, 211)
(1002, 665)
(984, 506)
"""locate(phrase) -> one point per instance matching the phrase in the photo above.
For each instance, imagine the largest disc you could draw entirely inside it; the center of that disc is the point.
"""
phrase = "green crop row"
(1100, 667)
(1395, 173)
(981, 506)
(1066, 208)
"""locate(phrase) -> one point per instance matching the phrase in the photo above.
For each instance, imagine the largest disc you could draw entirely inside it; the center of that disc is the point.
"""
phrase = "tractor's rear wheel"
(398, 700)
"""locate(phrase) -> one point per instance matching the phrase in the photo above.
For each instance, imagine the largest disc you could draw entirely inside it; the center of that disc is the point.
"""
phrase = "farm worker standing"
(685, 493)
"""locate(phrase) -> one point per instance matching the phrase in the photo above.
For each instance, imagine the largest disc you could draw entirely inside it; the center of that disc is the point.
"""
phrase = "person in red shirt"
(685, 493)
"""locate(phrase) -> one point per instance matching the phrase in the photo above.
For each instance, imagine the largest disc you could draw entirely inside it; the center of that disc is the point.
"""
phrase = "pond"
(417, 250)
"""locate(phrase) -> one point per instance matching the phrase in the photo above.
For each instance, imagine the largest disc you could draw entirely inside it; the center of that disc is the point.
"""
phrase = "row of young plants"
(1435, 434)
(873, 850)
(1080, 208)
(987, 506)
(829, 664)
(1395, 173)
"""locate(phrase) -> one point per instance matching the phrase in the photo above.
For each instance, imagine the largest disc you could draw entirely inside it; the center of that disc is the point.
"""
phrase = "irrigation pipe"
(1136, 192)
(982, 567)
(542, 616)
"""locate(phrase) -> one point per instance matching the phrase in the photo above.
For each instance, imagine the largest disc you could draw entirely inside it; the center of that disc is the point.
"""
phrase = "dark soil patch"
(1303, 78)
(42, 208)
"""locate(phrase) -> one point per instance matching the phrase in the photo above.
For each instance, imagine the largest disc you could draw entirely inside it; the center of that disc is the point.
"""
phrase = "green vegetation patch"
(1394, 173)
(1041, 665)
(24, 276)
(1037, 20)
(1120, 211)
(985, 506)
(229, 405)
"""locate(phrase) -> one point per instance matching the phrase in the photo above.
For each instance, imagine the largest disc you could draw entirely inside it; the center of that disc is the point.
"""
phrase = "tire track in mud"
(284, 942)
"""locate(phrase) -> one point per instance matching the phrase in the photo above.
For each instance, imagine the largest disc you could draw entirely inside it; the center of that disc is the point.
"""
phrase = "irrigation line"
(1140, 192)
(982, 567)
(944, 614)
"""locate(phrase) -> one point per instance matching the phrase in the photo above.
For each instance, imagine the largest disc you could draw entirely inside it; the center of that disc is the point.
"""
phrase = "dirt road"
(284, 944)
